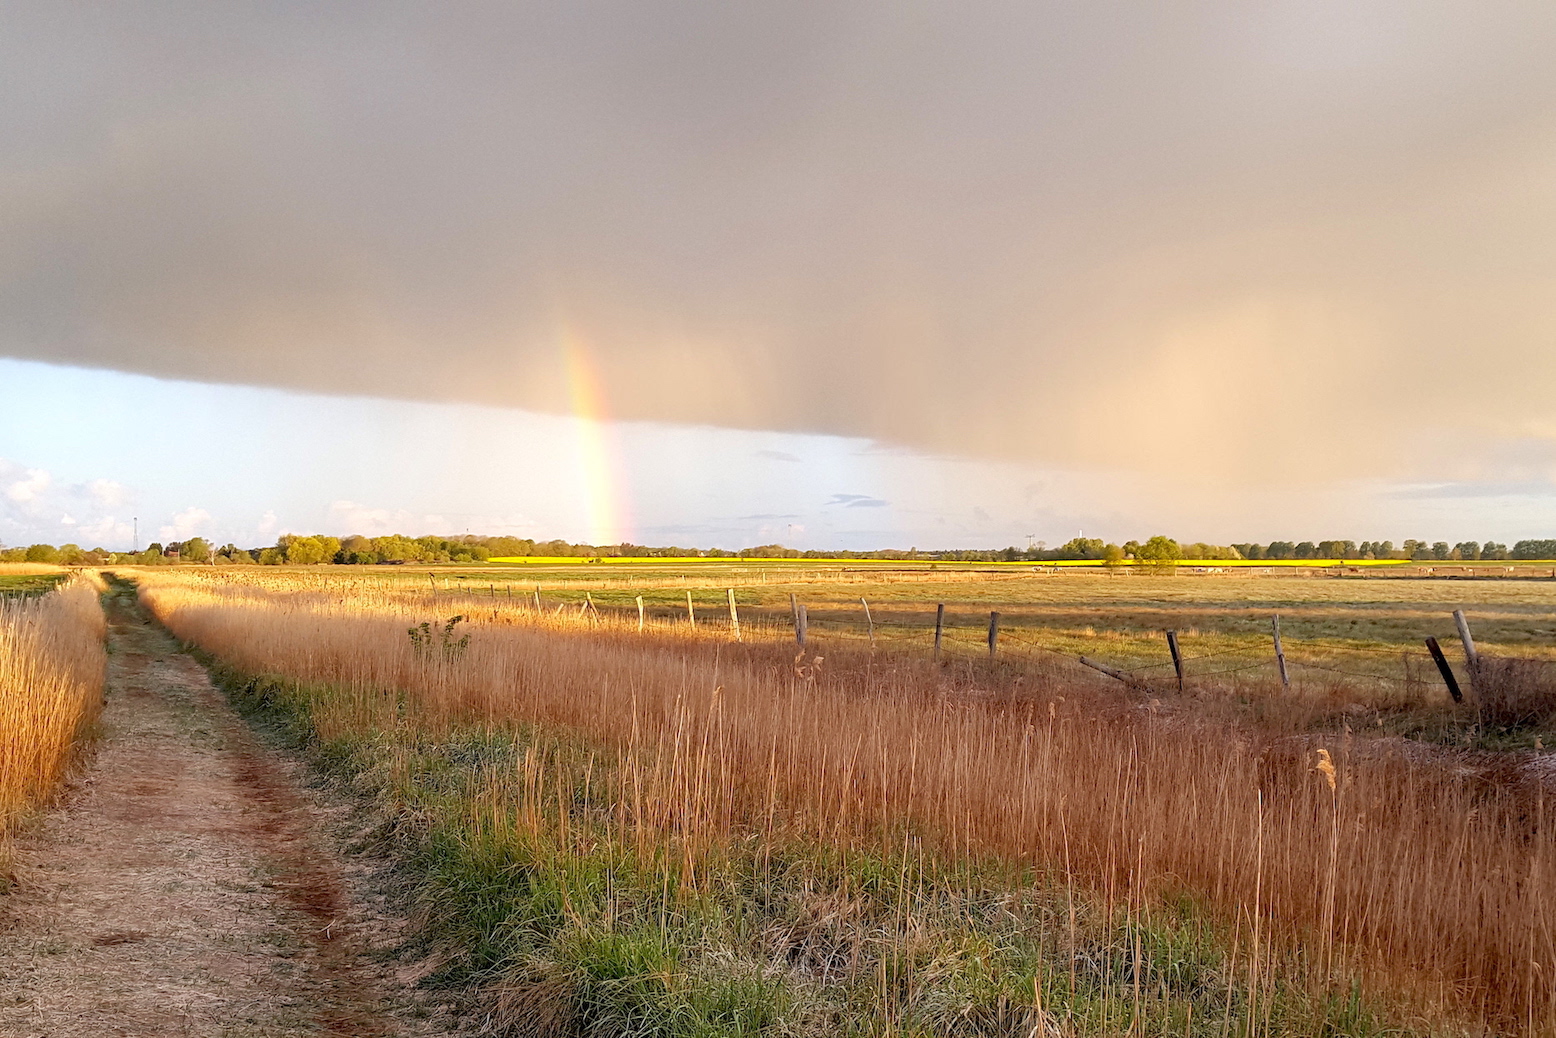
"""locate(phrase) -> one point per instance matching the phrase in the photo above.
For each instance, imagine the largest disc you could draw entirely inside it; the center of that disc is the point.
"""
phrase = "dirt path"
(189, 887)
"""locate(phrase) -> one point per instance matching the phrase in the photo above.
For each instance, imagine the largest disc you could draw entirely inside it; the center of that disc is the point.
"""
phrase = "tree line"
(392, 549)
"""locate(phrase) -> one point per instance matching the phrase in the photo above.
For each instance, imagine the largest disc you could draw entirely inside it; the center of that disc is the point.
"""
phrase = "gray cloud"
(857, 501)
(1266, 240)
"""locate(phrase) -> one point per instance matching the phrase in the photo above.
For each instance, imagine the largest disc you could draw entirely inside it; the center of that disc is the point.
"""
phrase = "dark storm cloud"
(1285, 238)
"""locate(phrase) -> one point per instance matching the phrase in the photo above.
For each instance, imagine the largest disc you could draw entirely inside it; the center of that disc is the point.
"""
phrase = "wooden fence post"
(801, 625)
(691, 614)
(1177, 657)
(640, 614)
(1280, 655)
(1117, 675)
(869, 621)
(1471, 656)
(537, 599)
(794, 607)
(1445, 670)
(734, 617)
(939, 626)
(994, 633)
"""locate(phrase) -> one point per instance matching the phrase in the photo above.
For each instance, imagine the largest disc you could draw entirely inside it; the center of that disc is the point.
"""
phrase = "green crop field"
(28, 584)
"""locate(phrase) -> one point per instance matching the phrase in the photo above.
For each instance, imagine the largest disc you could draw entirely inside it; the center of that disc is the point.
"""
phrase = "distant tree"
(271, 557)
(1534, 550)
(196, 549)
(356, 542)
(1493, 550)
(1079, 548)
(1131, 549)
(1383, 550)
(1441, 551)
(306, 551)
(43, 553)
(1161, 551)
(1305, 550)
(1250, 551)
(1280, 550)
(154, 546)
(1466, 550)
(1112, 555)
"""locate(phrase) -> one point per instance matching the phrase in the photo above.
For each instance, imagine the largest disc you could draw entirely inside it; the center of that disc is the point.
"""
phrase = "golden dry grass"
(1422, 873)
(28, 569)
(52, 666)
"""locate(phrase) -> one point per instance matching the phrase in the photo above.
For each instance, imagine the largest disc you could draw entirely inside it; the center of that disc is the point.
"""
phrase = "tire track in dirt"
(188, 886)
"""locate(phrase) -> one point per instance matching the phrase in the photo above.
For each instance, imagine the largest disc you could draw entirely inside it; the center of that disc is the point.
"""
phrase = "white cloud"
(34, 506)
(186, 524)
(30, 488)
(268, 523)
(107, 493)
(107, 531)
(348, 517)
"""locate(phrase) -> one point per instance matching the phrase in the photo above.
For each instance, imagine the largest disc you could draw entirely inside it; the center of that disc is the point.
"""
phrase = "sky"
(1229, 271)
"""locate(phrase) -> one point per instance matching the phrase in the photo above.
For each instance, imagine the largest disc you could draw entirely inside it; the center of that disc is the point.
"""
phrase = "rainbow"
(608, 520)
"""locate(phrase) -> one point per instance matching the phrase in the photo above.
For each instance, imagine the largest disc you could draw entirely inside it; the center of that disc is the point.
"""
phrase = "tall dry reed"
(52, 666)
(1375, 860)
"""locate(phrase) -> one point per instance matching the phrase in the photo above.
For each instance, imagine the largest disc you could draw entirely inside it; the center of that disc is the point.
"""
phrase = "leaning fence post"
(1280, 655)
(1445, 670)
(734, 617)
(868, 621)
(1471, 656)
(794, 607)
(640, 614)
(939, 626)
(994, 633)
(801, 625)
(537, 598)
(691, 614)
(1177, 657)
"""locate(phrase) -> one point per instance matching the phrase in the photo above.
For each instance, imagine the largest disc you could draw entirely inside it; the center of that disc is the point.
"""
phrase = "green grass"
(531, 892)
(29, 584)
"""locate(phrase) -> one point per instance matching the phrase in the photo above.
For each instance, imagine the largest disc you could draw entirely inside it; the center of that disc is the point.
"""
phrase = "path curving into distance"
(189, 885)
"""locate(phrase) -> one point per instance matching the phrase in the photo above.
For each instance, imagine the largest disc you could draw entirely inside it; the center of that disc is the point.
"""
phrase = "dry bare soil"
(191, 884)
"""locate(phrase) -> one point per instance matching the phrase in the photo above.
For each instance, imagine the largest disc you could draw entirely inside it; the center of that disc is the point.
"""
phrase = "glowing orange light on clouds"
(603, 491)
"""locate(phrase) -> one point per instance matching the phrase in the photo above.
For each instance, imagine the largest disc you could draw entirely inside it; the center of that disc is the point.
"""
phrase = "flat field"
(1351, 637)
(687, 823)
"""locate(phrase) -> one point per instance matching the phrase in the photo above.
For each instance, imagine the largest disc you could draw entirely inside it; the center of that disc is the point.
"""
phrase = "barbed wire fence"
(948, 637)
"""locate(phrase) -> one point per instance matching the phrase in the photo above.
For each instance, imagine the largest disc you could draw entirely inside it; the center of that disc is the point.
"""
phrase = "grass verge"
(534, 888)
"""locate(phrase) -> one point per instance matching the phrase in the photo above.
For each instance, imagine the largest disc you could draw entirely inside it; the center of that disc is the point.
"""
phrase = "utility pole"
(135, 539)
